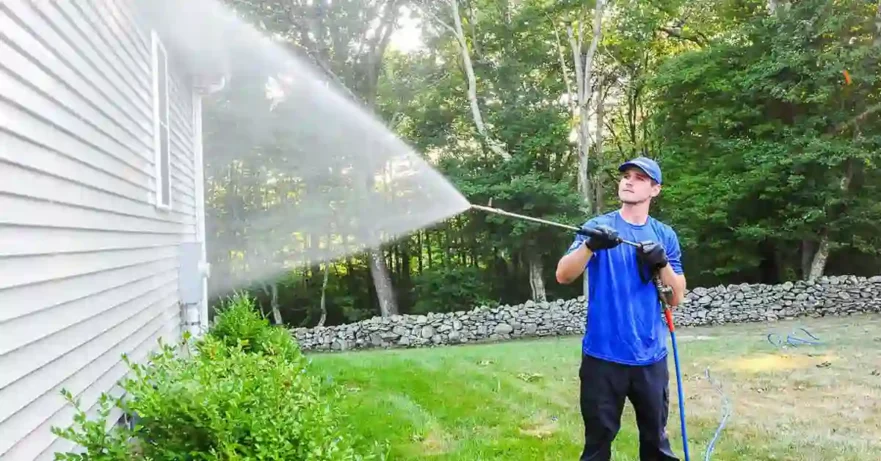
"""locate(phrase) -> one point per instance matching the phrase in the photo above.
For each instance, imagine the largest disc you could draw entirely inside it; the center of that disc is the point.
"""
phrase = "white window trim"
(158, 122)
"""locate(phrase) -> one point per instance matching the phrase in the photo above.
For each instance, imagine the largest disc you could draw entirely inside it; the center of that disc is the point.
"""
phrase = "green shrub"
(240, 321)
(245, 394)
(98, 444)
(447, 289)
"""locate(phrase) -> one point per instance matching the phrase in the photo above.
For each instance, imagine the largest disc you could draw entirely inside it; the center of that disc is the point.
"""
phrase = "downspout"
(204, 267)
(200, 90)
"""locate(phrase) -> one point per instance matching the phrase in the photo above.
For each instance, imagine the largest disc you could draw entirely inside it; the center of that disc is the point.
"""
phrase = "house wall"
(88, 263)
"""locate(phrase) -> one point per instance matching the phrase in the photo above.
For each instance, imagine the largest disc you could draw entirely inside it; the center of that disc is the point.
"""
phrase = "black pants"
(604, 386)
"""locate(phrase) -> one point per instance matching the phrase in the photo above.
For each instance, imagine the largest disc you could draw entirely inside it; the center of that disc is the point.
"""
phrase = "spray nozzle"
(588, 232)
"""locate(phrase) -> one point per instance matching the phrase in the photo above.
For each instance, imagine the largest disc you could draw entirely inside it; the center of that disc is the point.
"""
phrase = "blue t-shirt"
(624, 320)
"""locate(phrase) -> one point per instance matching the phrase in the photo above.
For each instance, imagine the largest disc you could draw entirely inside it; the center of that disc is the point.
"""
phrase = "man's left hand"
(653, 255)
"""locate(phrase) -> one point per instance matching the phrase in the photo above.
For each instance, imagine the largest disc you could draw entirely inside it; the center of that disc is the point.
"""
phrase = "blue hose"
(793, 340)
(681, 394)
(726, 413)
(668, 317)
(726, 405)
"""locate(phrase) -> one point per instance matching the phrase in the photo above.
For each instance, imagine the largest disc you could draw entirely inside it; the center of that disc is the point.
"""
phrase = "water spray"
(665, 294)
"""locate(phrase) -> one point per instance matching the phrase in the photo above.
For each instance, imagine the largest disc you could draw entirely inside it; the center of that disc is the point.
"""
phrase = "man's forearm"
(572, 265)
(674, 281)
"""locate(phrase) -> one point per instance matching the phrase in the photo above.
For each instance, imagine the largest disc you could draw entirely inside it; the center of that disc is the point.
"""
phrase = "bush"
(448, 289)
(246, 393)
(240, 324)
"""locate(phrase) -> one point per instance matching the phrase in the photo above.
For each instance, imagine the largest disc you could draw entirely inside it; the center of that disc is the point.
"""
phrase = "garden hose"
(726, 413)
(664, 294)
(794, 340)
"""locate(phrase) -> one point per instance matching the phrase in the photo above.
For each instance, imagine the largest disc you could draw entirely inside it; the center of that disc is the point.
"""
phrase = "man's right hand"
(596, 238)
(602, 238)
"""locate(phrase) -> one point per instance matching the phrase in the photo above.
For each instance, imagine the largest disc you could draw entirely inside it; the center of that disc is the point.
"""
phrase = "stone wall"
(837, 295)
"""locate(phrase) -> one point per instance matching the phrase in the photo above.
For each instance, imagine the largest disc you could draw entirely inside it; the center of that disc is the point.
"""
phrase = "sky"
(406, 37)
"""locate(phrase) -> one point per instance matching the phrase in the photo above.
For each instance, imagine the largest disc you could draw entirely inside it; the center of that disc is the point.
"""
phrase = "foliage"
(773, 148)
(246, 393)
(96, 442)
(749, 113)
(450, 289)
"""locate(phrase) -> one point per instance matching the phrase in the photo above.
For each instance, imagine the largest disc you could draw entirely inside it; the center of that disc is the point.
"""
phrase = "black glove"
(652, 255)
(600, 238)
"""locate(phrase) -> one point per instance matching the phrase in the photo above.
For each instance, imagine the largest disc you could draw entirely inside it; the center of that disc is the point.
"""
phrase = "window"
(161, 138)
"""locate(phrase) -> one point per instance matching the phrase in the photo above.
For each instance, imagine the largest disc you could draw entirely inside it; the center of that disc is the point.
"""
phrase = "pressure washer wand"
(582, 231)
(520, 216)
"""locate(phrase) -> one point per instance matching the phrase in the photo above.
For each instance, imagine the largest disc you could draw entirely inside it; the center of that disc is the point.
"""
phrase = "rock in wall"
(836, 295)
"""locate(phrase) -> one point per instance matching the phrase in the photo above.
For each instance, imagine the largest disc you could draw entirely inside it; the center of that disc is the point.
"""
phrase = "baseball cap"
(649, 166)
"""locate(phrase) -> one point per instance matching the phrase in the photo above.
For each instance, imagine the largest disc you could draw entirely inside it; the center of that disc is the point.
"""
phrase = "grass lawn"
(518, 400)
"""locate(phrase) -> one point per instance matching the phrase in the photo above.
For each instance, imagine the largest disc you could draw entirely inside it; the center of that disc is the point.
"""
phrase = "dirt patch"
(779, 362)
(807, 397)
(434, 443)
(540, 426)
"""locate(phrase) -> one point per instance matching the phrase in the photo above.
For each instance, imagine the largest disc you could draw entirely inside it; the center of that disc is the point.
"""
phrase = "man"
(624, 350)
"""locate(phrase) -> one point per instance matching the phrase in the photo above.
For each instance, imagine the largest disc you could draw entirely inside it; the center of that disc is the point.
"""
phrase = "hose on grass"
(726, 403)
(726, 413)
(793, 340)
(775, 339)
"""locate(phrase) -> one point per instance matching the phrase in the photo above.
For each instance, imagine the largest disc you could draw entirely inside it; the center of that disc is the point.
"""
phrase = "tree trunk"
(272, 289)
(570, 95)
(379, 270)
(807, 255)
(351, 277)
(461, 249)
(599, 200)
(536, 279)
(428, 248)
(472, 19)
(377, 45)
(404, 272)
(324, 295)
(583, 75)
(583, 156)
(818, 265)
(382, 282)
(877, 41)
(419, 253)
(393, 266)
(449, 242)
(494, 145)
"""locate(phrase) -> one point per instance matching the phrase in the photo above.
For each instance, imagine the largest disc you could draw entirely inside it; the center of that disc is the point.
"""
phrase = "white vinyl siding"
(88, 241)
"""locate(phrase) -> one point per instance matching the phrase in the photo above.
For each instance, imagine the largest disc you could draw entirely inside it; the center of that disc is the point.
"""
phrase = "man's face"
(636, 187)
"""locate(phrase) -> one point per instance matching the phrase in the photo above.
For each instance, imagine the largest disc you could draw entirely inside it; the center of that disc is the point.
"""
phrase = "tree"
(794, 142)
(434, 11)
(584, 73)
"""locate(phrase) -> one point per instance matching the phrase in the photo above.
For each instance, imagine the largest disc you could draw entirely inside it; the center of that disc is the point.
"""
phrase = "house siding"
(88, 264)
